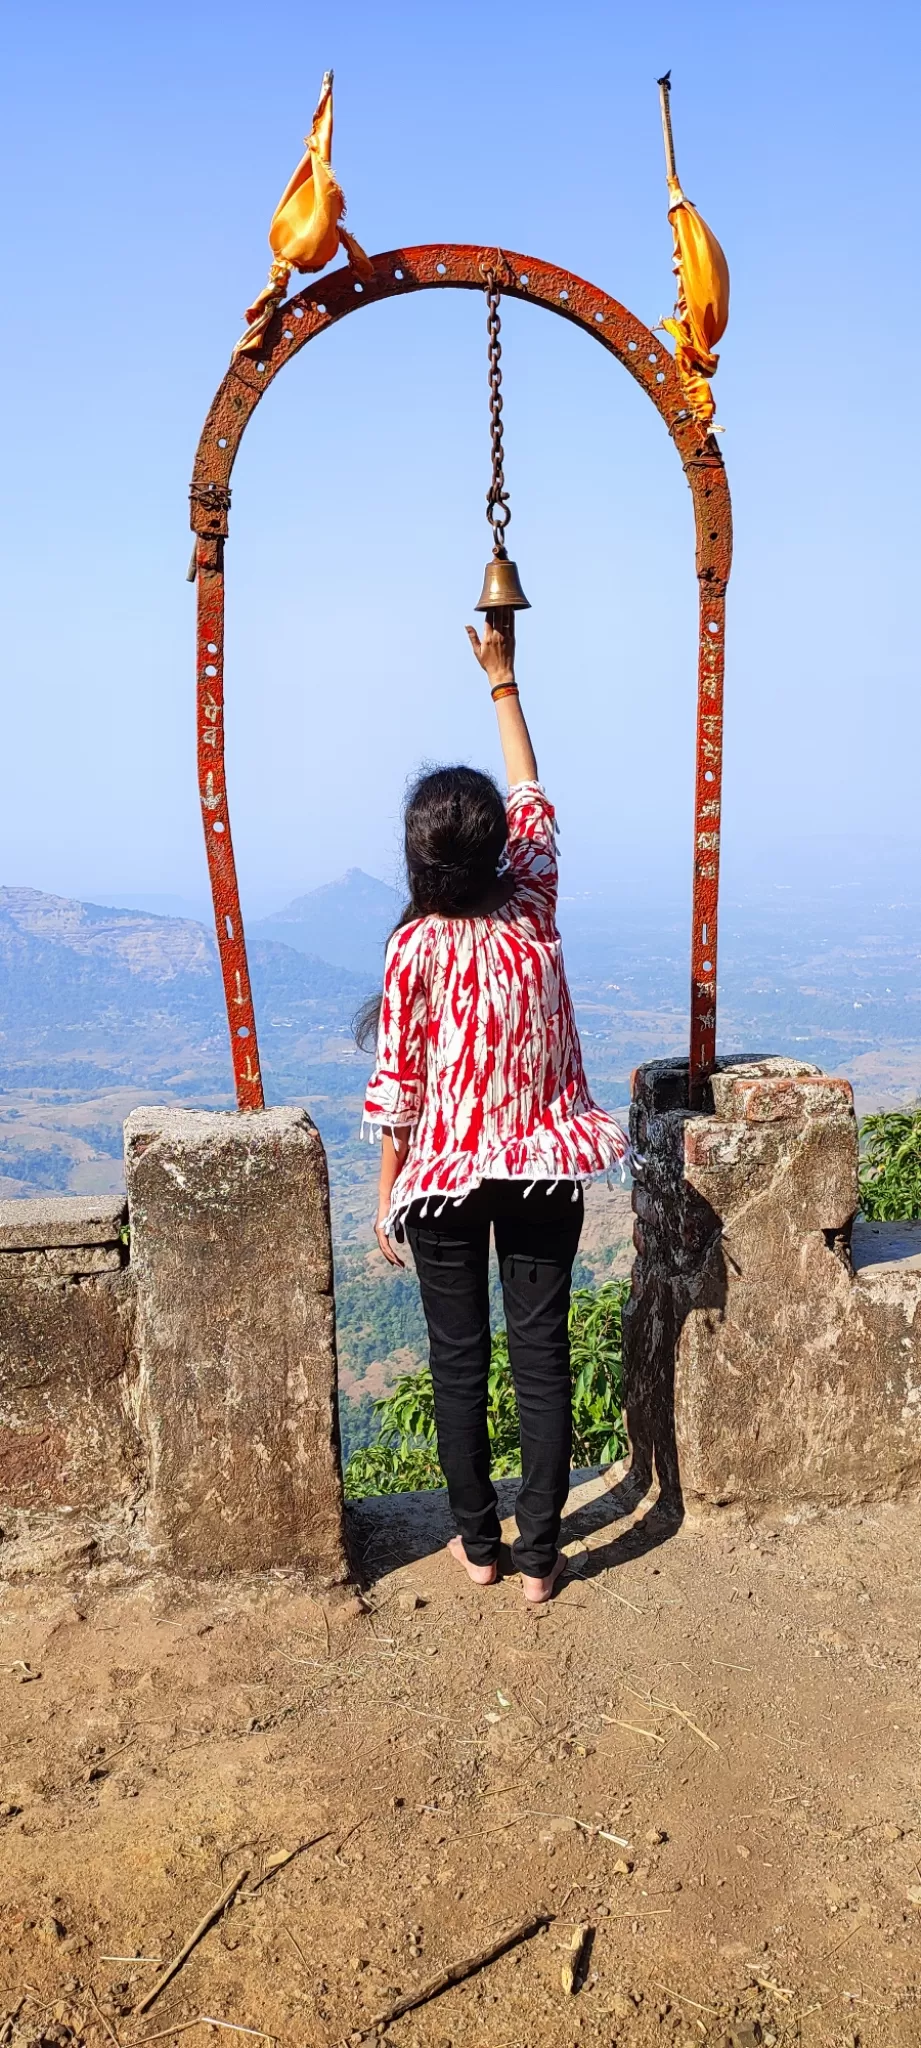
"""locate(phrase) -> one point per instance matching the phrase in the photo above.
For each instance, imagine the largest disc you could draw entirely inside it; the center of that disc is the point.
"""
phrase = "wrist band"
(504, 690)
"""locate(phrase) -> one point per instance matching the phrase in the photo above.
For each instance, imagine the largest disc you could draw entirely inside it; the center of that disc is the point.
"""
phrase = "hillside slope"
(141, 995)
(101, 1009)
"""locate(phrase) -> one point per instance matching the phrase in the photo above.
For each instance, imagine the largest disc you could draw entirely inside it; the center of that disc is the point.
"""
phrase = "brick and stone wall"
(772, 1347)
(194, 1385)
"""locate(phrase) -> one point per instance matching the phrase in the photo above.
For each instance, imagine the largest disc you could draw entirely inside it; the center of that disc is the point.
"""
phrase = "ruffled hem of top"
(545, 1155)
(375, 1122)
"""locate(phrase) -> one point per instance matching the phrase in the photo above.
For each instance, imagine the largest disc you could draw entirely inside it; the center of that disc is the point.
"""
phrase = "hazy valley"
(101, 1009)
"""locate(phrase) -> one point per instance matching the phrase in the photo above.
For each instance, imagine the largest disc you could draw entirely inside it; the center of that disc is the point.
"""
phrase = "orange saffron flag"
(306, 230)
(702, 306)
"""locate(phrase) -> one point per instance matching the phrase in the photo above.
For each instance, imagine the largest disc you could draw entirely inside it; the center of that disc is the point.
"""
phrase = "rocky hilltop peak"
(346, 922)
(354, 887)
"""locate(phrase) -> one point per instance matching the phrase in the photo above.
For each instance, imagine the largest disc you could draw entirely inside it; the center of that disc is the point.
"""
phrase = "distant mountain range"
(117, 993)
(103, 1007)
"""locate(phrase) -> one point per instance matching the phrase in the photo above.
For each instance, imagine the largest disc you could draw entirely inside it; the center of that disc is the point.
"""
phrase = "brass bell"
(502, 587)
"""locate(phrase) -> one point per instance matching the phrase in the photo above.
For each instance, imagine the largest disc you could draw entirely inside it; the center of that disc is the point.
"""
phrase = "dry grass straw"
(649, 1733)
(202, 2019)
(671, 1707)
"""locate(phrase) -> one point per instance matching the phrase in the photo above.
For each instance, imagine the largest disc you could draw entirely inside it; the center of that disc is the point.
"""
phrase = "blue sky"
(145, 149)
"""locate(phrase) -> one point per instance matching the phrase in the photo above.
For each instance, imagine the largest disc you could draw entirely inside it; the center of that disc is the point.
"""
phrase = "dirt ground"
(739, 1703)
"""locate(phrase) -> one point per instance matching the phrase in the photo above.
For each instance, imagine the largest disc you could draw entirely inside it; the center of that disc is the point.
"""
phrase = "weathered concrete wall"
(772, 1352)
(67, 1435)
(235, 1338)
(772, 1344)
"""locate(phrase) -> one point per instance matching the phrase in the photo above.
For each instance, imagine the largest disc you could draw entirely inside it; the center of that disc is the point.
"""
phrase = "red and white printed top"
(478, 1049)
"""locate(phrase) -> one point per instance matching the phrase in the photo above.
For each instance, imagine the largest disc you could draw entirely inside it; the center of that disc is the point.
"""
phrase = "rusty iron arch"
(398, 273)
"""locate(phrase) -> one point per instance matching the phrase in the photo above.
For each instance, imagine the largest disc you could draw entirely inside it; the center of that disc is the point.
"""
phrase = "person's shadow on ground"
(657, 1525)
(402, 1529)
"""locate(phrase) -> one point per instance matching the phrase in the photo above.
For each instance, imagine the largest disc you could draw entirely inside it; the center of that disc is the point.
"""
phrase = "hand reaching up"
(496, 651)
(496, 656)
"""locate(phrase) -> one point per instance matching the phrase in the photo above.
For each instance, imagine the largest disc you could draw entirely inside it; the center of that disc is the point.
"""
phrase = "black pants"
(537, 1237)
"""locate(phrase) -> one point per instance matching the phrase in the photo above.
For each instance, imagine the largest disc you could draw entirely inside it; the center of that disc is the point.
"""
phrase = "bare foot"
(481, 1574)
(537, 1591)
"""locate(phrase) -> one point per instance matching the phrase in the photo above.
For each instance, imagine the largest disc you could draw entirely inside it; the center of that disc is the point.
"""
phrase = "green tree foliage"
(404, 1459)
(374, 1321)
(357, 1423)
(890, 1166)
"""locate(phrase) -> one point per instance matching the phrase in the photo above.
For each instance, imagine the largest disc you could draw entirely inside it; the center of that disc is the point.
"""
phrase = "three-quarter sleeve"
(532, 843)
(397, 1086)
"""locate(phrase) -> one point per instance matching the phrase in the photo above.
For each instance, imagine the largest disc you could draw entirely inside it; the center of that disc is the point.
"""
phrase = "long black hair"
(454, 837)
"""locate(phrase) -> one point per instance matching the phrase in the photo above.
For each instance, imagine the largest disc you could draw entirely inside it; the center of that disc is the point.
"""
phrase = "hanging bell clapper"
(502, 593)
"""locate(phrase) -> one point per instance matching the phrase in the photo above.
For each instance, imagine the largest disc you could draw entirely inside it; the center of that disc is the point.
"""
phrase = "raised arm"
(496, 656)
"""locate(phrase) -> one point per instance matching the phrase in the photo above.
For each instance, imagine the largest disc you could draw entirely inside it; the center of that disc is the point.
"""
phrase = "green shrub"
(596, 1342)
(404, 1458)
(890, 1165)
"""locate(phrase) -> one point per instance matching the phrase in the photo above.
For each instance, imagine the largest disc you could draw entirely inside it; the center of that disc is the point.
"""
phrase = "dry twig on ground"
(101, 2016)
(353, 1830)
(454, 1974)
(283, 1858)
(684, 2000)
(295, 1943)
(207, 1920)
(6, 2030)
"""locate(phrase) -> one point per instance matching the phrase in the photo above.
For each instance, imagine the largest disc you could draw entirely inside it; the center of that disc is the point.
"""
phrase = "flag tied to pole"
(306, 230)
(702, 306)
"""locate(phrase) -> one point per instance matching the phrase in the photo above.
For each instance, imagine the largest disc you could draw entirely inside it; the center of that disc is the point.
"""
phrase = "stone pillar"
(67, 1437)
(235, 1337)
(772, 1349)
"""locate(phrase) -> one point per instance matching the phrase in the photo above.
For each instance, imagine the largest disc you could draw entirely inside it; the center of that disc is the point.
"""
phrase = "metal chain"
(497, 506)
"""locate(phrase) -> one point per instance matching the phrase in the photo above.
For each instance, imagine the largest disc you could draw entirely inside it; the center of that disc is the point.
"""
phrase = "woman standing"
(486, 1120)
